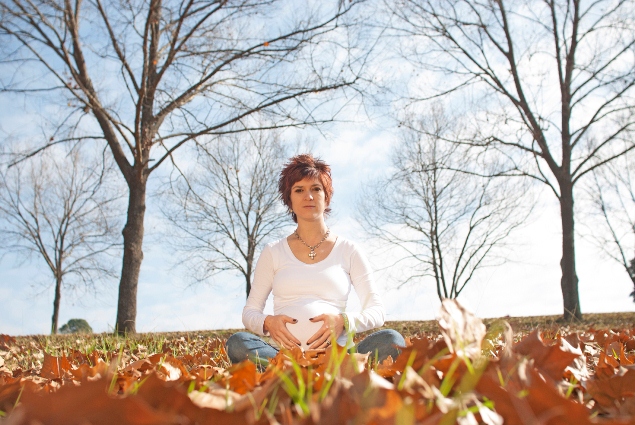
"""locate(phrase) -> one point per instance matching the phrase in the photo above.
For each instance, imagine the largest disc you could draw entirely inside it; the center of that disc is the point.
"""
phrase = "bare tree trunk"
(631, 273)
(132, 256)
(569, 281)
(250, 260)
(227, 61)
(251, 253)
(56, 304)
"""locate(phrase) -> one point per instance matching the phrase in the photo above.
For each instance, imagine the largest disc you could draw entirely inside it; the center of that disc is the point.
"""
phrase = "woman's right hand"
(277, 328)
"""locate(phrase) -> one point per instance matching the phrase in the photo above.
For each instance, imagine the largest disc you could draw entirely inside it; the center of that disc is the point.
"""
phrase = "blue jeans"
(245, 345)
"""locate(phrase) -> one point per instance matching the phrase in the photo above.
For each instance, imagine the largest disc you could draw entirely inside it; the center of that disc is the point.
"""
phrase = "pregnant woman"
(311, 273)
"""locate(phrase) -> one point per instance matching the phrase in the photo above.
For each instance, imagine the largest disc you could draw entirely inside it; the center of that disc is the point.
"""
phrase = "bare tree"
(227, 205)
(151, 76)
(446, 221)
(612, 193)
(557, 84)
(62, 209)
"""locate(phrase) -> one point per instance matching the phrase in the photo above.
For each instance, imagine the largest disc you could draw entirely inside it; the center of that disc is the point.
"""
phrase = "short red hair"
(300, 167)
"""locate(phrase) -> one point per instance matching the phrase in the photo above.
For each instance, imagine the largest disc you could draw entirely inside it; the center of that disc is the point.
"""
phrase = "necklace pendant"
(312, 248)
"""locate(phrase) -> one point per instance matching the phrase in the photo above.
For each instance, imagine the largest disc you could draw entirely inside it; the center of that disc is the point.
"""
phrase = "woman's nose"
(308, 195)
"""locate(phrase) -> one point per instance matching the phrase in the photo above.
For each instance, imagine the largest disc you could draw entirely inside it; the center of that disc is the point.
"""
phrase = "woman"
(311, 273)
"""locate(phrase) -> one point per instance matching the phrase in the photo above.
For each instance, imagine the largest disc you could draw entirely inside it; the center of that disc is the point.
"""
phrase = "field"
(458, 370)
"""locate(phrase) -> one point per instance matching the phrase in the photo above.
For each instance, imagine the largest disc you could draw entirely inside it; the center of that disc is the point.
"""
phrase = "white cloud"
(527, 285)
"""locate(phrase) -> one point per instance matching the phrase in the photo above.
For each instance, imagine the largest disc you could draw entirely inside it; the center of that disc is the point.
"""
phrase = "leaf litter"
(466, 374)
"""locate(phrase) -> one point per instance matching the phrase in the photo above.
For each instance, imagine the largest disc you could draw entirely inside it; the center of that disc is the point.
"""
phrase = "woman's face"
(307, 199)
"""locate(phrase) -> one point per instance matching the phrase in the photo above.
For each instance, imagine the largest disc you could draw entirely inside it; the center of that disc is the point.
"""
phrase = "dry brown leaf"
(244, 377)
(353, 364)
(524, 383)
(55, 367)
(85, 404)
(610, 391)
(86, 373)
(551, 360)
(219, 399)
(6, 341)
(550, 407)
(205, 372)
(463, 331)
(338, 406)
(606, 367)
(527, 398)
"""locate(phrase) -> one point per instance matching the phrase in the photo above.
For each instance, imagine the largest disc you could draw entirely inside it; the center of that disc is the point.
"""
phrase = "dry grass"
(625, 320)
(131, 363)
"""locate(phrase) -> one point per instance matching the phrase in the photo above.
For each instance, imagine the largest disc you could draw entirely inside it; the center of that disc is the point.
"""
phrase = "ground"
(579, 373)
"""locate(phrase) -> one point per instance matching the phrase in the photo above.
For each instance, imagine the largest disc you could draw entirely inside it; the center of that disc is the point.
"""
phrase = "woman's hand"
(333, 324)
(277, 328)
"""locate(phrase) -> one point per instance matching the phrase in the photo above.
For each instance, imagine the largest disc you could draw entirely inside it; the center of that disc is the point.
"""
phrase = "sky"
(526, 285)
(358, 150)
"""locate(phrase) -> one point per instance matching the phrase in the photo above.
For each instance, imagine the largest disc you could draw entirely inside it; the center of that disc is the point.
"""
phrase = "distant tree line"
(207, 88)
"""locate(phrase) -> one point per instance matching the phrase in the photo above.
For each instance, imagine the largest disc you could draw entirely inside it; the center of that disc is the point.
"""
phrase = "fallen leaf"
(610, 391)
(55, 367)
(6, 341)
(551, 360)
(338, 406)
(244, 377)
(527, 398)
(86, 373)
(462, 331)
(219, 400)
(85, 404)
(606, 366)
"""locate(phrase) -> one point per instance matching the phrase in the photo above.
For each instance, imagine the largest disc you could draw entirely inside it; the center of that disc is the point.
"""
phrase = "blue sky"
(358, 150)
(528, 284)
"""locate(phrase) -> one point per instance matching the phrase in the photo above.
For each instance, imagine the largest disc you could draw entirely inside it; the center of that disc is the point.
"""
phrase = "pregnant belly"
(305, 329)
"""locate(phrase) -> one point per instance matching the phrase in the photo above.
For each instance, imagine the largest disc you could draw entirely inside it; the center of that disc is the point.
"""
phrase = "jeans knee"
(236, 339)
(391, 341)
(382, 344)
(239, 336)
(394, 337)
(235, 346)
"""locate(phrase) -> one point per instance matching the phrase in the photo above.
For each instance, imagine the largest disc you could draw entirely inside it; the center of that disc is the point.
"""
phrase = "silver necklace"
(314, 247)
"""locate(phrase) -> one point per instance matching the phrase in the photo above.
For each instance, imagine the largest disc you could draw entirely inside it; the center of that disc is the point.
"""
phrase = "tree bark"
(250, 261)
(132, 255)
(569, 281)
(56, 304)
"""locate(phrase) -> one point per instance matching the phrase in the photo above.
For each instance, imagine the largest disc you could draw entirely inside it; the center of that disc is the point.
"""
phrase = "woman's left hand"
(333, 324)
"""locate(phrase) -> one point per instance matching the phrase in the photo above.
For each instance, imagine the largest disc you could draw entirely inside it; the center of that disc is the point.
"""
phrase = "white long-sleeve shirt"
(303, 291)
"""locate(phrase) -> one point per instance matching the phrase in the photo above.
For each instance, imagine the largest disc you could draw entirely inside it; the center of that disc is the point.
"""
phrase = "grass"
(134, 347)
(28, 351)
(293, 385)
(523, 325)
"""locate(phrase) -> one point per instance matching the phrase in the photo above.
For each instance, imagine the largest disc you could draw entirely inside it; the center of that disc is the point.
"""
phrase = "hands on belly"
(333, 325)
(277, 328)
